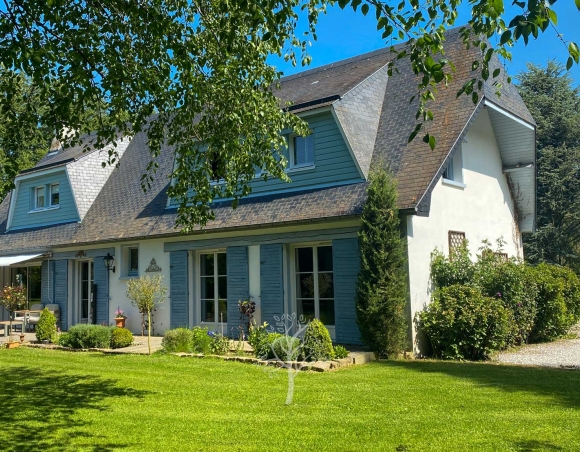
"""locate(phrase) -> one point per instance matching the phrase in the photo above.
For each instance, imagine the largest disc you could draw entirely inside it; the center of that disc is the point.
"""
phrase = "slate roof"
(123, 211)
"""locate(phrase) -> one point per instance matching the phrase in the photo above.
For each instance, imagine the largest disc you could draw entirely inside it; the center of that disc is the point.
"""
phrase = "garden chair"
(34, 317)
(55, 309)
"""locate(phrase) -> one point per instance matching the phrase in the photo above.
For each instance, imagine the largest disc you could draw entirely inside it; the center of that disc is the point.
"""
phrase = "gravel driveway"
(561, 353)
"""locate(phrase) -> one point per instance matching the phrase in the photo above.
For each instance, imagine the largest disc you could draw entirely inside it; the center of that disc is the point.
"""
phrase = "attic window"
(301, 150)
(453, 174)
(54, 194)
(39, 198)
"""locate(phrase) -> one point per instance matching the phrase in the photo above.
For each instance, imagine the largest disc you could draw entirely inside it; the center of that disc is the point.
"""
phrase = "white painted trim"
(348, 146)
(493, 106)
(216, 326)
(44, 209)
(453, 183)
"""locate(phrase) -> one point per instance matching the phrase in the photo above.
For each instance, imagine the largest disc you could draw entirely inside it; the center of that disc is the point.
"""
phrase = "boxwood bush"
(461, 323)
(121, 337)
(286, 348)
(317, 344)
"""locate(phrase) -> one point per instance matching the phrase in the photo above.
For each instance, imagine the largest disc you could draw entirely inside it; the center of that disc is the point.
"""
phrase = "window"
(39, 198)
(29, 279)
(315, 283)
(213, 285)
(301, 151)
(54, 195)
(454, 171)
(133, 261)
(456, 239)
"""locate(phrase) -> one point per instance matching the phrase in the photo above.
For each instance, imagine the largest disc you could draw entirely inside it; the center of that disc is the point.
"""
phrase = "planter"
(12, 344)
(22, 338)
(120, 322)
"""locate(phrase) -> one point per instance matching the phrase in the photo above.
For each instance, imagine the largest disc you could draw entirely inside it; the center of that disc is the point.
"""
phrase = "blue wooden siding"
(178, 289)
(333, 162)
(101, 280)
(54, 287)
(238, 285)
(272, 282)
(66, 212)
(346, 262)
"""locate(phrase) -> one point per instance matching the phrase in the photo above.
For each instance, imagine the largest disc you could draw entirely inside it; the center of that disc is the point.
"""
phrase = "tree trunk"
(10, 335)
(290, 393)
(149, 331)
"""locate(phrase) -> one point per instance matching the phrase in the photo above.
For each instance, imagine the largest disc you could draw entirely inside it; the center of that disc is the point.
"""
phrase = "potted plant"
(12, 298)
(120, 318)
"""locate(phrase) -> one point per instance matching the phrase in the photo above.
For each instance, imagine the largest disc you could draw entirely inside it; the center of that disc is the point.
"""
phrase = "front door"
(86, 306)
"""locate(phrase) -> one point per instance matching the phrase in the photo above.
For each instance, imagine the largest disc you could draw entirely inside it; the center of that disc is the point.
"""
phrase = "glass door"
(29, 279)
(86, 302)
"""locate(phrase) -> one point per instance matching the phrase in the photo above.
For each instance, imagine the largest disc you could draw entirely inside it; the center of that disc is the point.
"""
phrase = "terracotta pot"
(12, 344)
(120, 322)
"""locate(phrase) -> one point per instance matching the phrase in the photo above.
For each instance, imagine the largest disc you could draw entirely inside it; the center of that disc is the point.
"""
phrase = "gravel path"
(563, 353)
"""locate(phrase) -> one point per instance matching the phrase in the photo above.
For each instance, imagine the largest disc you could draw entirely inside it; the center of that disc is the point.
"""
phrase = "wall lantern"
(109, 261)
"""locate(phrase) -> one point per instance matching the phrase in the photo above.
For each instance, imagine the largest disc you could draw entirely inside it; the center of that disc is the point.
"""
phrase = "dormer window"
(39, 198)
(301, 151)
(54, 195)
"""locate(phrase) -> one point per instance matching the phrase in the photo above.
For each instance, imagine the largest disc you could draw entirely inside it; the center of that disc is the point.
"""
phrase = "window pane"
(39, 197)
(208, 311)
(207, 287)
(54, 195)
(325, 258)
(327, 312)
(206, 264)
(305, 309)
(304, 150)
(34, 285)
(222, 264)
(305, 286)
(223, 311)
(304, 262)
(133, 260)
(325, 285)
(222, 286)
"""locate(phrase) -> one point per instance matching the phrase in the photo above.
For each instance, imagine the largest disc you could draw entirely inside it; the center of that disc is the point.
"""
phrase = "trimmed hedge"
(86, 336)
(46, 327)
(121, 337)
(317, 345)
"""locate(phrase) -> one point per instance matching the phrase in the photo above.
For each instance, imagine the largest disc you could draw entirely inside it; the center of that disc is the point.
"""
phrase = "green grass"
(56, 401)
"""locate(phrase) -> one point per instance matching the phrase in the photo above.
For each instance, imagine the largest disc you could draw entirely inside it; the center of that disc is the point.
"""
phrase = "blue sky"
(343, 34)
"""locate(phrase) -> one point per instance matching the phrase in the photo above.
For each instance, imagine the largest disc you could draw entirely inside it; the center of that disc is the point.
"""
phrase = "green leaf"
(505, 37)
(577, 4)
(365, 9)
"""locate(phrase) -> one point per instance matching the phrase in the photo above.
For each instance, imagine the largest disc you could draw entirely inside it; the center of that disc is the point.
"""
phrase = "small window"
(54, 195)
(39, 198)
(454, 171)
(456, 240)
(301, 150)
(133, 261)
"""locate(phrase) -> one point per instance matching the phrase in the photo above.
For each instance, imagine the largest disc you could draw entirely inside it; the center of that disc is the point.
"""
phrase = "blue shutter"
(61, 291)
(179, 289)
(101, 280)
(346, 262)
(238, 285)
(271, 281)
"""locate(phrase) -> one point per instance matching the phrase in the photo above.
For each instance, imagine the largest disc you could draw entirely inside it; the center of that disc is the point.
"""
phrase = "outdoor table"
(6, 324)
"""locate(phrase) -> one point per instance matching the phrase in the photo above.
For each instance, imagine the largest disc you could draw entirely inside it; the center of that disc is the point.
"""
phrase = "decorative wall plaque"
(81, 254)
(153, 267)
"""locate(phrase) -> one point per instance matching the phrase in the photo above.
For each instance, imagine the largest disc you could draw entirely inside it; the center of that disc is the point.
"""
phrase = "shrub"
(201, 340)
(88, 336)
(258, 339)
(558, 302)
(317, 343)
(178, 340)
(463, 324)
(219, 344)
(46, 327)
(63, 340)
(382, 285)
(457, 269)
(340, 352)
(121, 337)
(286, 348)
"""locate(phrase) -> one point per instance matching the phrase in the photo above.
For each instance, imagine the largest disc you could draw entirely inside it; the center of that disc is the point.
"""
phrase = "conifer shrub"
(46, 327)
(317, 345)
(382, 287)
(178, 340)
(121, 337)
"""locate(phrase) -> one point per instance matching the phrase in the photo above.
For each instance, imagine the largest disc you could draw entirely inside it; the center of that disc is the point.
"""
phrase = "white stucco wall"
(483, 210)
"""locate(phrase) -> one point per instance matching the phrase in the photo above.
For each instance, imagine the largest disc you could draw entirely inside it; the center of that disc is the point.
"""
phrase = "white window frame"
(453, 175)
(56, 184)
(36, 206)
(292, 166)
(129, 271)
(331, 328)
(217, 324)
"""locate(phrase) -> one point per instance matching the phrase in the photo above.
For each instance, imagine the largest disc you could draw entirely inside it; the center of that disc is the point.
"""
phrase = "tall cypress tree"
(382, 283)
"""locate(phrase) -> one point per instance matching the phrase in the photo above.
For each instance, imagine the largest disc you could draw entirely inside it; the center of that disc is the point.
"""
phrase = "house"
(291, 247)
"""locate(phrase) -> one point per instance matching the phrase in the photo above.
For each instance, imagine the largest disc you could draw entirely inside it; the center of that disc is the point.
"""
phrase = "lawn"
(51, 400)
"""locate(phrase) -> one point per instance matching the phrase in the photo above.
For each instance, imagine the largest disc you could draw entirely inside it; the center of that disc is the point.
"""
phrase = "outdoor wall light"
(109, 261)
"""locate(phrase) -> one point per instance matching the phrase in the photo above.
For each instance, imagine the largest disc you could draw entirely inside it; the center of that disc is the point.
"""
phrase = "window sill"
(296, 169)
(44, 209)
(127, 278)
(455, 184)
